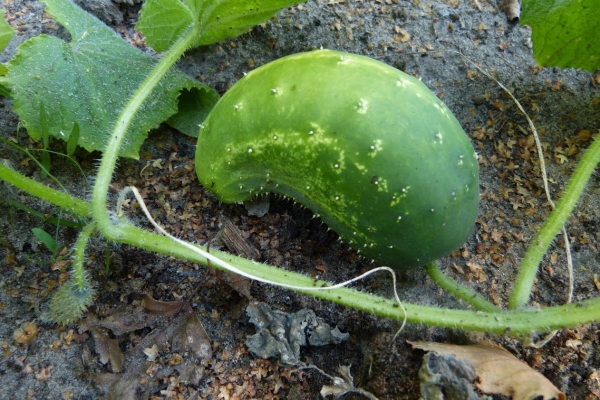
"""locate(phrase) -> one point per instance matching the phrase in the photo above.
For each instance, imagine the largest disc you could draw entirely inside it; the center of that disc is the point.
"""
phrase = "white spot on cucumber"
(360, 167)
(375, 148)
(362, 106)
(382, 184)
(344, 60)
(316, 128)
(249, 150)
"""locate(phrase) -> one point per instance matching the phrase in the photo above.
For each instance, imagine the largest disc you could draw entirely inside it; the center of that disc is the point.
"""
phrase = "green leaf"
(566, 33)
(6, 32)
(4, 91)
(186, 120)
(73, 139)
(46, 239)
(163, 21)
(46, 162)
(89, 80)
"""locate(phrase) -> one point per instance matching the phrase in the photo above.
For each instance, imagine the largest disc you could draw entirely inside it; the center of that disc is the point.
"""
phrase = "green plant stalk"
(463, 293)
(529, 267)
(74, 297)
(110, 154)
(79, 277)
(518, 323)
(44, 192)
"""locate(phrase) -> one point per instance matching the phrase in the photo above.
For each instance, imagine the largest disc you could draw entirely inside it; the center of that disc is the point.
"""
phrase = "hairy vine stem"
(516, 323)
(552, 225)
(488, 318)
(115, 141)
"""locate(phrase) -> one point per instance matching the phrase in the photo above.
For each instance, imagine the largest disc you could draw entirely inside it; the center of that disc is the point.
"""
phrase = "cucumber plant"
(367, 148)
(191, 23)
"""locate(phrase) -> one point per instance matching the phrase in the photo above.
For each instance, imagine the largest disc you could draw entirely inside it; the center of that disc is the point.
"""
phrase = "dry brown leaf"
(499, 371)
(151, 352)
(108, 349)
(174, 325)
(25, 333)
(191, 337)
(162, 308)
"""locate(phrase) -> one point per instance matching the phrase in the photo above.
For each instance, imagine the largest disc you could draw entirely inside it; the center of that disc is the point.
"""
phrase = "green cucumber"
(366, 147)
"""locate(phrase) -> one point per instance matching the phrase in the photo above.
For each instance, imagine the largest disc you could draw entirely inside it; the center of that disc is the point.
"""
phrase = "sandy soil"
(422, 38)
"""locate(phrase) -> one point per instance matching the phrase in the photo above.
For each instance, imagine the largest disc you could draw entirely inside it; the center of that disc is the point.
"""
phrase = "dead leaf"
(25, 333)
(596, 282)
(192, 337)
(343, 385)
(108, 349)
(499, 371)
(174, 325)
(44, 373)
(280, 335)
(151, 352)
(162, 308)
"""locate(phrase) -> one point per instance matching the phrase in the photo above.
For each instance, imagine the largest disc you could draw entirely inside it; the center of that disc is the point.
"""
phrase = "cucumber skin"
(366, 147)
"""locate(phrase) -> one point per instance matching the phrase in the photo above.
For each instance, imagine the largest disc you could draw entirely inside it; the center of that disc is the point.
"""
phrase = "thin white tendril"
(238, 271)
